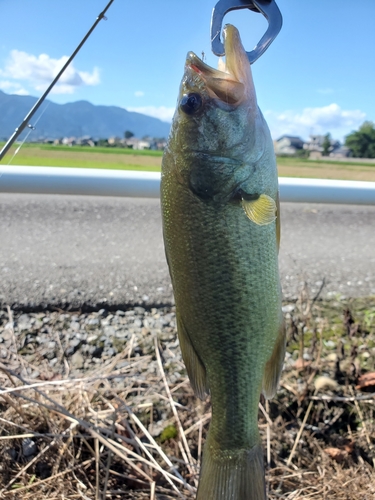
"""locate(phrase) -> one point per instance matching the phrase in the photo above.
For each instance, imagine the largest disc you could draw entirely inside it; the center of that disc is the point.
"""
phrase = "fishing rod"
(25, 123)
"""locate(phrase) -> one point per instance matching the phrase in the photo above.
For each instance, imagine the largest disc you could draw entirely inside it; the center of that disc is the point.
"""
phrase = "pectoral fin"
(194, 366)
(262, 210)
(274, 365)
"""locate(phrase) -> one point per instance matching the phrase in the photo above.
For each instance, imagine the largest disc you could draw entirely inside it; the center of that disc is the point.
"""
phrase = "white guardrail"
(89, 181)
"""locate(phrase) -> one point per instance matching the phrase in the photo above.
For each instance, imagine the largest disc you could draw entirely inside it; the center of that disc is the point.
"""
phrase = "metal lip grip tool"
(266, 7)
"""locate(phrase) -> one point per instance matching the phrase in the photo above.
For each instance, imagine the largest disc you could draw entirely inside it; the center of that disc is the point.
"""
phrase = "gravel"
(71, 343)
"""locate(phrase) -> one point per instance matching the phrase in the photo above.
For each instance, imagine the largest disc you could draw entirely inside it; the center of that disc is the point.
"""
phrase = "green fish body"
(219, 196)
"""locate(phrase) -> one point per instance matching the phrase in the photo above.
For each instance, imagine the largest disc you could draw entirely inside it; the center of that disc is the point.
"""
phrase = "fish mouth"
(228, 83)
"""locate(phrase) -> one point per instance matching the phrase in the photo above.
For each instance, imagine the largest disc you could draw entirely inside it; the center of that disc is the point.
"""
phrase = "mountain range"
(75, 119)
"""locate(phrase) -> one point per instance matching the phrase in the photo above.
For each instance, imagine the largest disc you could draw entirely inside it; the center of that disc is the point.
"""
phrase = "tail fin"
(237, 475)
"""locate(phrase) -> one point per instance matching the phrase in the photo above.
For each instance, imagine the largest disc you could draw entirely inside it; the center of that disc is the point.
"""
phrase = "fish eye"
(191, 103)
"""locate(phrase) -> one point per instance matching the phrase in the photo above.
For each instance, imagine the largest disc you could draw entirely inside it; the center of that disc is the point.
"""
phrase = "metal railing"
(98, 182)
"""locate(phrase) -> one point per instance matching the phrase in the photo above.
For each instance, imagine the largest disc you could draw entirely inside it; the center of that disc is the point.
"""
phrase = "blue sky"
(317, 77)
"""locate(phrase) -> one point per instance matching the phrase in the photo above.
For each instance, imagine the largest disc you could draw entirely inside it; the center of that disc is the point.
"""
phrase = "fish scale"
(219, 198)
(225, 303)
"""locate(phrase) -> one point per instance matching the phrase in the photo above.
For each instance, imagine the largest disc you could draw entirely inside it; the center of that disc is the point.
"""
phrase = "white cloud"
(139, 93)
(331, 118)
(162, 112)
(13, 87)
(7, 85)
(21, 92)
(40, 70)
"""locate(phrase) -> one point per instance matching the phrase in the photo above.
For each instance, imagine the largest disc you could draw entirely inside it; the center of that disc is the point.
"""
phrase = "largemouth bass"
(219, 196)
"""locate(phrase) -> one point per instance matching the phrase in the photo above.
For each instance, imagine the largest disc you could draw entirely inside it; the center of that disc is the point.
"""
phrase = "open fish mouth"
(227, 83)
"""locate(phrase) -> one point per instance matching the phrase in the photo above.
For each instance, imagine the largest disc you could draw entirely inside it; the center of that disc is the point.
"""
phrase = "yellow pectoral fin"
(262, 211)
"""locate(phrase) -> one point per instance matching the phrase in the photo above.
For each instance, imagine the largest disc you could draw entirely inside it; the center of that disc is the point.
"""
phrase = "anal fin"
(194, 366)
(274, 365)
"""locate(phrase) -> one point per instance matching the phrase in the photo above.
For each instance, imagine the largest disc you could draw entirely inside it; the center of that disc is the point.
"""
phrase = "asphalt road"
(95, 251)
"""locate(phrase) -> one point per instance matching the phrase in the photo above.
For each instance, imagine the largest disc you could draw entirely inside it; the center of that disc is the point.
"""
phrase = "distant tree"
(326, 144)
(362, 141)
(302, 153)
(128, 134)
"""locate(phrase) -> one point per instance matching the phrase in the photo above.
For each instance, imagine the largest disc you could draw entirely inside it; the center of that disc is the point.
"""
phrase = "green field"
(85, 157)
(128, 159)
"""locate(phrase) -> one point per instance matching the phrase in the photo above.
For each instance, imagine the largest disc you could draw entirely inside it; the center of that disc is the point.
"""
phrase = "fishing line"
(32, 128)
(25, 122)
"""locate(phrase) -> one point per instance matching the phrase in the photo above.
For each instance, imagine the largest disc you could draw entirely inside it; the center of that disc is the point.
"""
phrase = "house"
(69, 141)
(86, 140)
(341, 152)
(315, 144)
(135, 143)
(160, 144)
(114, 141)
(288, 145)
(144, 144)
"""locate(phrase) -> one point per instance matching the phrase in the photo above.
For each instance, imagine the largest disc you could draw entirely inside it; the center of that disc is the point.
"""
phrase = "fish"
(221, 228)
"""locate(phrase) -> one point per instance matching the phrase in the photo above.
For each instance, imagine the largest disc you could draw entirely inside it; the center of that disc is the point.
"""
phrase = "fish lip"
(193, 60)
(228, 84)
(232, 46)
(218, 84)
(195, 63)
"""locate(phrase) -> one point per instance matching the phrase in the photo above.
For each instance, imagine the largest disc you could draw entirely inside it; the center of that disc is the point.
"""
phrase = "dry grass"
(328, 172)
(116, 433)
(294, 167)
